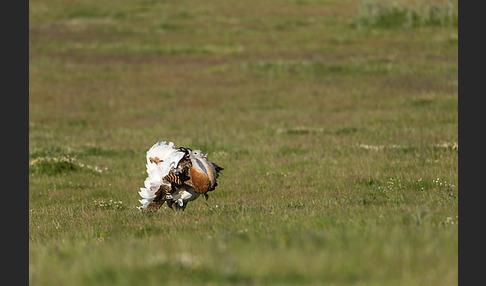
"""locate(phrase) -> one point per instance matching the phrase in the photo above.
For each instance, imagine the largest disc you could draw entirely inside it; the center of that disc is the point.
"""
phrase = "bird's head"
(197, 154)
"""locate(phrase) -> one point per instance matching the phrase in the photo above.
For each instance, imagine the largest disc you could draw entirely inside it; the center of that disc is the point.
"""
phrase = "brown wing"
(183, 168)
(172, 178)
(182, 175)
(159, 199)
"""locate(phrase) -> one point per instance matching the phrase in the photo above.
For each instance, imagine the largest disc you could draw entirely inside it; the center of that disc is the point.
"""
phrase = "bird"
(176, 176)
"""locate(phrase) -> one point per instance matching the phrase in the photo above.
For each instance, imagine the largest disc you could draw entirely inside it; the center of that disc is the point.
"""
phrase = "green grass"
(398, 14)
(339, 142)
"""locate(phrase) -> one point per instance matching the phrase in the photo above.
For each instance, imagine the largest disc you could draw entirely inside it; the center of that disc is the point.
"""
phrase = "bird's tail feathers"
(218, 169)
(161, 157)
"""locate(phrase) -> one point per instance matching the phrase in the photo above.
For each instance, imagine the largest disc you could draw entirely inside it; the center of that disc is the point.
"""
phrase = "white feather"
(145, 193)
(185, 194)
(169, 157)
(165, 152)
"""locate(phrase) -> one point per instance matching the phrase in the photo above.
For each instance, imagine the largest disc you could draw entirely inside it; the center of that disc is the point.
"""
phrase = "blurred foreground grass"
(339, 142)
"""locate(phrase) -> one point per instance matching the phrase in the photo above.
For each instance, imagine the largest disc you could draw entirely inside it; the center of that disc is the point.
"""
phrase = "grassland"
(336, 124)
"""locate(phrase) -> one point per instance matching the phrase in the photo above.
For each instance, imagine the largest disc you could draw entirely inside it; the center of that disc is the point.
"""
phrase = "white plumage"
(161, 157)
(176, 176)
(183, 195)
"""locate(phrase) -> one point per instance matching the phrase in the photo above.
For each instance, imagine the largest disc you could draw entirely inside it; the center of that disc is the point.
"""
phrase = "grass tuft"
(399, 15)
(53, 165)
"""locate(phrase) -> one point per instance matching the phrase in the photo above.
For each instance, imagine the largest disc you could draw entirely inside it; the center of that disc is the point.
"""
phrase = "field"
(336, 123)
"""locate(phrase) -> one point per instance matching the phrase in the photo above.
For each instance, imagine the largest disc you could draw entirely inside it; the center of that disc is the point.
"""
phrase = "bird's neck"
(200, 165)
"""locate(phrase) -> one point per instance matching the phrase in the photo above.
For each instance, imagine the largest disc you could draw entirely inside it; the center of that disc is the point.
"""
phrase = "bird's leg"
(178, 204)
(169, 204)
(206, 196)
